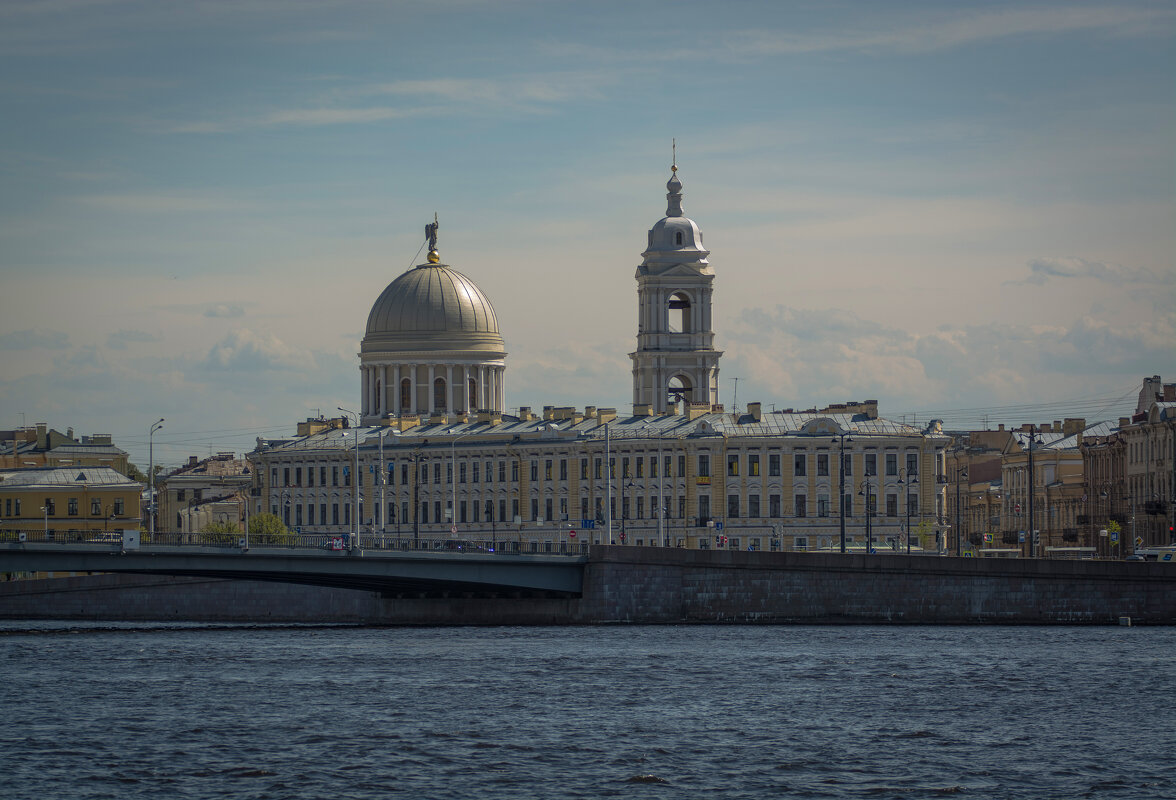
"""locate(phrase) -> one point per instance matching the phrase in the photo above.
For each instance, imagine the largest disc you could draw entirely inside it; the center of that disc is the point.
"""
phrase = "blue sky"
(962, 210)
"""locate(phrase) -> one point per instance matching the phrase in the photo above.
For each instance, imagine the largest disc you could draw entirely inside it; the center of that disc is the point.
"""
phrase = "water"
(103, 711)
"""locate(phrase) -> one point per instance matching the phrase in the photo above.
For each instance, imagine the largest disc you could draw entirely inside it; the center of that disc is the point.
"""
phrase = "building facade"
(435, 458)
(68, 503)
(203, 492)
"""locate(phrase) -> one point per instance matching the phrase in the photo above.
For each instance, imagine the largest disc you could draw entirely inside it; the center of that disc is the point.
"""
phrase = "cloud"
(120, 339)
(30, 339)
(224, 311)
(950, 32)
(1043, 269)
(253, 351)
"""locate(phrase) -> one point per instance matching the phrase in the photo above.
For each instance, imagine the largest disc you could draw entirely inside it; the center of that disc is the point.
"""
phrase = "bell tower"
(675, 361)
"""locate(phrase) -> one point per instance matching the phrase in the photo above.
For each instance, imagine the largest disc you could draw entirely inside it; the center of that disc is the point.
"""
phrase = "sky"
(962, 210)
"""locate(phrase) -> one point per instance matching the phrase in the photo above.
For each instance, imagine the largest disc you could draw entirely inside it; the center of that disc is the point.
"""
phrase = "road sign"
(1017, 508)
(588, 524)
(1021, 537)
(453, 529)
(718, 526)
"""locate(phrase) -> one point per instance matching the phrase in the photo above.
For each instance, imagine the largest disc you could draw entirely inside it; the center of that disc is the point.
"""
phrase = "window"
(285, 476)
(440, 400)
(461, 474)
(640, 467)
(912, 504)
(871, 464)
(704, 510)
(534, 470)
(892, 505)
(334, 513)
(72, 507)
(733, 465)
(548, 511)
(404, 474)
(406, 395)
(733, 506)
(424, 511)
(461, 510)
(95, 508)
(514, 510)
(273, 476)
(298, 476)
(912, 461)
(847, 462)
(563, 469)
(477, 477)
(823, 465)
(753, 505)
(681, 508)
(310, 476)
(653, 466)
(322, 513)
(892, 463)
(801, 502)
(563, 507)
(119, 507)
(448, 472)
(598, 468)
(799, 465)
(774, 505)
(49, 508)
(298, 515)
(583, 508)
(502, 511)
(436, 472)
(489, 510)
(625, 509)
(322, 476)
(437, 514)
(583, 469)
(703, 465)
(180, 494)
(514, 471)
(502, 471)
(753, 466)
(625, 468)
(774, 465)
(17, 509)
(822, 505)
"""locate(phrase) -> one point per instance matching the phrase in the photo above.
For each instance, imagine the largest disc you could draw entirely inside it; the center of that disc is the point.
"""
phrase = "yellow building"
(67, 503)
(42, 446)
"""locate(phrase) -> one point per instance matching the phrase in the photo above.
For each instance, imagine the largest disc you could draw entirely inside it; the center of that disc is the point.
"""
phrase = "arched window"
(678, 310)
(406, 396)
(473, 404)
(678, 238)
(379, 399)
(679, 390)
(439, 395)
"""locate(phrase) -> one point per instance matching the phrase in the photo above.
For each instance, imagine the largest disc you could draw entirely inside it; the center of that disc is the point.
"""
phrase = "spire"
(674, 196)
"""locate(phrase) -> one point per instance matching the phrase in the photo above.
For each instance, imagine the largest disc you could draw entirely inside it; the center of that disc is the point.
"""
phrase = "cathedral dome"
(432, 307)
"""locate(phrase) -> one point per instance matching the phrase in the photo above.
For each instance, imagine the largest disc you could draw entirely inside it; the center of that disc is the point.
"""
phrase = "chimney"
(42, 435)
(1170, 392)
(1073, 425)
(754, 410)
(193, 461)
(999, 427)
(548, 413)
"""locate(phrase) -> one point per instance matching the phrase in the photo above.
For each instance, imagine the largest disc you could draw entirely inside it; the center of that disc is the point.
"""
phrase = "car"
(1135, 557)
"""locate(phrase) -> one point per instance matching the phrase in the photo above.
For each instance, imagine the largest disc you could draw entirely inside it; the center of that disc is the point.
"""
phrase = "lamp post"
(151, 477)
(358, 479)
(840, 441)
(1032, 491)
(866, 490)
(960, 475)
(906, 478)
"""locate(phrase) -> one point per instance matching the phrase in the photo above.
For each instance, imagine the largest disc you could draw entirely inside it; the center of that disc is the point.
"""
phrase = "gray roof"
(58, 477)
(717, 425)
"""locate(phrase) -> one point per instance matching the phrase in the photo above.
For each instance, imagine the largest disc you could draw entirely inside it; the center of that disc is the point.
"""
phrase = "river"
(197, 711)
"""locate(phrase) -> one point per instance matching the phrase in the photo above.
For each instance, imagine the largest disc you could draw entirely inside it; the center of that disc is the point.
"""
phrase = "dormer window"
(678, 238)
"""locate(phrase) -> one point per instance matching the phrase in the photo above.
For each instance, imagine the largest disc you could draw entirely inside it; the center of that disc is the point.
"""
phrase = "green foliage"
(926, 533)
(1114, 527)
(268, 529)
(220, 527)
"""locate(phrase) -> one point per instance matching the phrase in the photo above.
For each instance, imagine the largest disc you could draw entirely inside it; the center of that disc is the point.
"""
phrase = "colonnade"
(427, 389)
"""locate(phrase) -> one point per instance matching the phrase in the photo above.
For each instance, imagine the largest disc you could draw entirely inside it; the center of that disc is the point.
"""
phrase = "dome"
(432, 307)
(674, 239)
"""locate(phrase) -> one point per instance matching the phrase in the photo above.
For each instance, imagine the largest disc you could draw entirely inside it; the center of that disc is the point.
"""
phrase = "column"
(384, 390)
(450, 406)
(396, 397)
(366, 380)
(431, 394)
(413, 400)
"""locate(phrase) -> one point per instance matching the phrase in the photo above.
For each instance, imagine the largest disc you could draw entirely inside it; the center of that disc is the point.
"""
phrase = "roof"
(58, 477)
(716, 425)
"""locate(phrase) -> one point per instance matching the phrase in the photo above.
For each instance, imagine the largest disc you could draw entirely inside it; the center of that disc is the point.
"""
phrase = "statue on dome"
(431, 233)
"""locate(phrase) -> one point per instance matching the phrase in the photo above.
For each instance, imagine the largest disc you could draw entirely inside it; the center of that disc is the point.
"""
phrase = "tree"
(926, 533)
(220, 527)
(269, 529)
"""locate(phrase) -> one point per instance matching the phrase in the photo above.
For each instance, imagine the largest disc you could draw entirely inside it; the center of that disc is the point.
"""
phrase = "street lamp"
(960, 475)
(151, 477)
(905, 477)
(358, 478)
(1033, 439)
(45, 508)
(840, 441)
(866, 491)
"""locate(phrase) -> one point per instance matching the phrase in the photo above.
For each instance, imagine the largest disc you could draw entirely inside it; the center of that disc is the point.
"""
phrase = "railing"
(294, 541)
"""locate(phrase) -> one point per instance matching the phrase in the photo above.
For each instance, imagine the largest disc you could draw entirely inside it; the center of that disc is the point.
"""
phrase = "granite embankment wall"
(656, 585)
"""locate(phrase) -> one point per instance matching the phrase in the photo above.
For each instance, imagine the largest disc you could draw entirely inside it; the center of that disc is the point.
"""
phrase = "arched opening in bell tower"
(406, 404)
(473, 393)
(679, 390)
(439, 399)
(678, 311)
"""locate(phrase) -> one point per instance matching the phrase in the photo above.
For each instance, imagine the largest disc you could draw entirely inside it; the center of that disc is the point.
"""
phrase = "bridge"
(451, 568)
